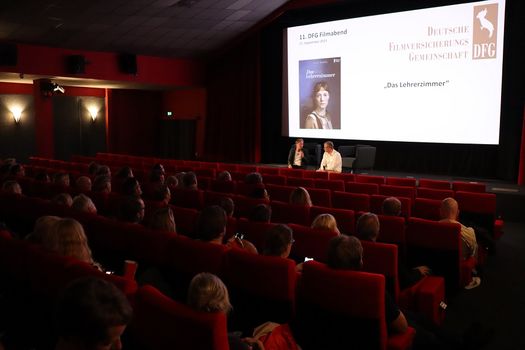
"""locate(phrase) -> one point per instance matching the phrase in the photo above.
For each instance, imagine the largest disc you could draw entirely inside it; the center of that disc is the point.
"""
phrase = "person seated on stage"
(300, 196)
(162, 194)
(346, 253)
(91, 314)
(63, 199)
(84, 203)
(11, 186)
(189, 181)
(131, 187)
(449, 212)
(224, 176)
(332, 161)
(207, 293)
(391, 207)
(132, 209)
(254, 178)
(83, 184)
(61, 179)
(163, 219)
(297, 158)
(103, 170)
(325, 222)
(102, 184)
(211, 227)
(261, 213)
(368, 229)
(228, 205)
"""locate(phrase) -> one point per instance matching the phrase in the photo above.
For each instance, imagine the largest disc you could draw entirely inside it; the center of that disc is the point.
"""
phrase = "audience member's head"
(449, 209)
(208, 293)
(132, 209)
(300, 196)
(92, 314)
(261, 213)
(83, 184)
(42, 228)
(325, 222)
(211, 224)
(42, 176)
(345, 252)
(124, 172)
(84, 203)
(180, 178)
(172, 182)
(227, 204)
(17, 170)
(259, 192)
(67, 238)
(103, 170)
(131, 187)
(162, 194)
(61, 179)
(62, 199)
(254, 178)
(93, 168)
(391, 206)
(224, 176)
(163, 219)
(158, 168)
(368, 227)
(11, 186)
(189, 181)
(156, 176)
(102, 184)
(279, 240)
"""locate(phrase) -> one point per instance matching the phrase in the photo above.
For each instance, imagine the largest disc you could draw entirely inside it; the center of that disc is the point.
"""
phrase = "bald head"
(449, 209)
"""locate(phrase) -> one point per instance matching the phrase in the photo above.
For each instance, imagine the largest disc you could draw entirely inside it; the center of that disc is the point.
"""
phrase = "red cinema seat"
(161, 323)
(185, 220)
(291, 172)
(401, 181)
(346, 177)
(222, 186)
(264, 170)
(261, 287)
(312, 174)
(338, 309)
(227, 167)
(478, 187)
(376, 204)
(398, 191)
(255, 232)
(438, 246)
(321, 197)
(245, 189)
(479, 209)
(382, 258)
(187, 198)
(214, 198)
(433, 193)
(300, 182)
(352, 201)
(435, 184)
(392, 230)
(345, 218)
(285, 213)
(332, 185)
(244, 205)
(247, 169)
(279, 193)
(311, 243)
(372, 179)
(274, 179)
(358, 187)
(427, 209)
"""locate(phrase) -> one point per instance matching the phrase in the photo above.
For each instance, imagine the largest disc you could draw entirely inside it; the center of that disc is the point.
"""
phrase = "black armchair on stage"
(360, 157)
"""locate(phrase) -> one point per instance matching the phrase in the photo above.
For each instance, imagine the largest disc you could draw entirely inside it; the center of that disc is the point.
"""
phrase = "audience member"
(131, 187)
(83, 184)
(93, 168)
(259, 192)
(132, 209)
(300, 196)
(124, 173)
(278, 242)
(103, 170)
(17, 170)
(61, 179)
(227, 204)
(180, 179)
(254, 178)
(158, 168)
(224, 176)
(391, 207)
(325, 222)
(11, 186)
(91, 314)
(172, 182)
(207, 293)
(189, 181)
(102, 184)
(62, 199)
(163, 219)
(84, 203)
(42, 176)
(368, 227)
(42, 229)
(261, 213)
(162, 194)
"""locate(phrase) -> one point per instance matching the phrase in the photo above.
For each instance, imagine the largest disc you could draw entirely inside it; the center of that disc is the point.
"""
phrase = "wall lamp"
(17, 114)
(93, 112)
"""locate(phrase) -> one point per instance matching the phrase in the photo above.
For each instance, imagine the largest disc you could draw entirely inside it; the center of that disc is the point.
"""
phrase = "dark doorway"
(177, 138)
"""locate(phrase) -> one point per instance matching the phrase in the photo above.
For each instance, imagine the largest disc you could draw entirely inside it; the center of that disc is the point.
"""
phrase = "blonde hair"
(163, 219)
(300, 196)
(66, 237)
(208, 293)
(325, 222)
(42, 228)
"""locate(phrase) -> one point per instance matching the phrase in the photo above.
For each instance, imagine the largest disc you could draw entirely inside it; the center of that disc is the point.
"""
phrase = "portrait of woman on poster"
(319, 118)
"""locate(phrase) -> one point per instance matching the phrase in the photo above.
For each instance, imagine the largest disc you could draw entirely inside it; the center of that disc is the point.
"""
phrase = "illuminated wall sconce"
(17, 114)
(93, 112)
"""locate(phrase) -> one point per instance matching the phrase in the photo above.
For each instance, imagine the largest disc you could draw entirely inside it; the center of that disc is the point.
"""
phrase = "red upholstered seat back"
(279, 193)
(185, 220)
(321, 197)
(187, 198)
(376, 204)
(436, 184)
(264, 170)
(312, 174)
(352, 201)
(255, 232)
(161, 323)
(358, 187)
(382, 258)
(398, 191)
(427, 208)
(312, 243)
(346, 177)
(401, 181)
(380, 180)
(433, 193)
(291, 172)
(223, 186)
(274, 179)
(300, 182)
(469, 186)
(284, 213)
(333, 185)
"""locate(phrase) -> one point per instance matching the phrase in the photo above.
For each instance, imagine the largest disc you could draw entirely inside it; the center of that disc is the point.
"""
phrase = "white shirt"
(332, 162)
(297, 159)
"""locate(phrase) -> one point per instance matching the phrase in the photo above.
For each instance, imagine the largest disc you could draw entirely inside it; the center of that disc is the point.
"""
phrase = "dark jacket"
(291, 157)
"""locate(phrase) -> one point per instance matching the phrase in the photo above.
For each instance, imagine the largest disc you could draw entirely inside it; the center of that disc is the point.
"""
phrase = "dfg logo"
(485, 30)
